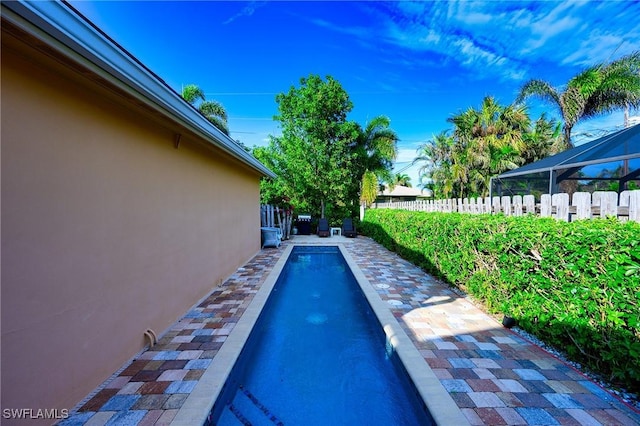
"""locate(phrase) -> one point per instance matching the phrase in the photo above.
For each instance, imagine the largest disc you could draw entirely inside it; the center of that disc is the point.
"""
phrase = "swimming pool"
(197, 408)
(318, 355)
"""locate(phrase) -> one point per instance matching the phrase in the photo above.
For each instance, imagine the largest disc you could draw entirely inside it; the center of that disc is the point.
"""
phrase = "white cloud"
(475, 54)
(431, 38)
(545, 29)
(577, 34)
(458, 31)
(477, 18)
(360, 32)
(473, 13)
(597, 48)
(248, 10)
(504, 40)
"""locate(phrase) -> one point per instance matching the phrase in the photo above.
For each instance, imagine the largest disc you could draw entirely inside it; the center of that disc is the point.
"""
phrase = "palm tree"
(192, 94)
(212, 110)
(436, 157)
(488, 142)
(543, 140)
(484, 142)
(598, 90)
(376, 149)
(402, 180)
(369, 188)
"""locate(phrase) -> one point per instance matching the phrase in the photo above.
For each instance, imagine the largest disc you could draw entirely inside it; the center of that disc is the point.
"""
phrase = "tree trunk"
(566, 130)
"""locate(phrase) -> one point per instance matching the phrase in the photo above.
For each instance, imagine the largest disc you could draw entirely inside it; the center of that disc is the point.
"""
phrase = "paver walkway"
(494, 376)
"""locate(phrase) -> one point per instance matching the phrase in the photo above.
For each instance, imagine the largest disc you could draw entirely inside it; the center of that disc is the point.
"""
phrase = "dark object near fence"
(348, 228)
(323, 228)
(304, 224)
(508, 322)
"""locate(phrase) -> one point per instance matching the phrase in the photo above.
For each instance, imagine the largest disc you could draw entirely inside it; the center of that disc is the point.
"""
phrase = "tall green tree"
(314, 156)
(600, 89)
(484, 142)
(375, 152)
(212, 110)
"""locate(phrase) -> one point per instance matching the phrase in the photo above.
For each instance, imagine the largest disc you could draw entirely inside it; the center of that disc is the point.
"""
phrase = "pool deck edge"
(200, 401)
(438, 401)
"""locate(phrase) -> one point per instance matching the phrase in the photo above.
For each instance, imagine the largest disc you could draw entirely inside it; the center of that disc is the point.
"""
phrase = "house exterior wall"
(107, 228)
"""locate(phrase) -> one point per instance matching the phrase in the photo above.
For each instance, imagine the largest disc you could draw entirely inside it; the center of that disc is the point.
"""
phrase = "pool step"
(249, 411)
(238, 415)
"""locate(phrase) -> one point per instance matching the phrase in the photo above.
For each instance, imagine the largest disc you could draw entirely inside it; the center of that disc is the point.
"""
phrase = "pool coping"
(199, 403)
(438, 401)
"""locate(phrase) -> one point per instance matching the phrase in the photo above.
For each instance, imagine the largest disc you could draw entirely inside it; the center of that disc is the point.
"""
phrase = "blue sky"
(416, 62)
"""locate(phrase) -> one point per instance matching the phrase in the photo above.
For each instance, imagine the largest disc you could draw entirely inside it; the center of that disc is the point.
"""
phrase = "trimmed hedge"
(574, 285)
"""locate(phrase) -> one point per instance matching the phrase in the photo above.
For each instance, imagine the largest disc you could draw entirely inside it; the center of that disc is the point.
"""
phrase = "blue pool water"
(318, 356)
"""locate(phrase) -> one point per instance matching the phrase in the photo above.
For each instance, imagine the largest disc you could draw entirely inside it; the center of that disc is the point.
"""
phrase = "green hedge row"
(574, 285)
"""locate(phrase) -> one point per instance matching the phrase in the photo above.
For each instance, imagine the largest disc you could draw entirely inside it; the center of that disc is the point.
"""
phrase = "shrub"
(574, 285)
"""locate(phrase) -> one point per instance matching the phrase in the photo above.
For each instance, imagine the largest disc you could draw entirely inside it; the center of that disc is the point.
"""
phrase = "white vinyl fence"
(583, 205)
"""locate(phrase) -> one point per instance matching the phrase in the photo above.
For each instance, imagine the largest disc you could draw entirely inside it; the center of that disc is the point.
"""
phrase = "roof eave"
(564, 166)
(580, 150)
(60, 27)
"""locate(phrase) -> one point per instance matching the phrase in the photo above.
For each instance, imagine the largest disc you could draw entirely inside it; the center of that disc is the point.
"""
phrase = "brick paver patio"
(494, 376)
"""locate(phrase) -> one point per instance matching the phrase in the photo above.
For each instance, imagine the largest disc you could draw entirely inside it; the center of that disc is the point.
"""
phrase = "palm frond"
(587, 82)
(369, 188)
(541, 89)
(220, 124)
(213, 108)
(192, 93)
(378, 145)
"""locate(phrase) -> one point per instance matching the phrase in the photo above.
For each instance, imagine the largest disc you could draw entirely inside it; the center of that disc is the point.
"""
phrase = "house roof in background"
(403, 191)
(61, 27)
(621, 145)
